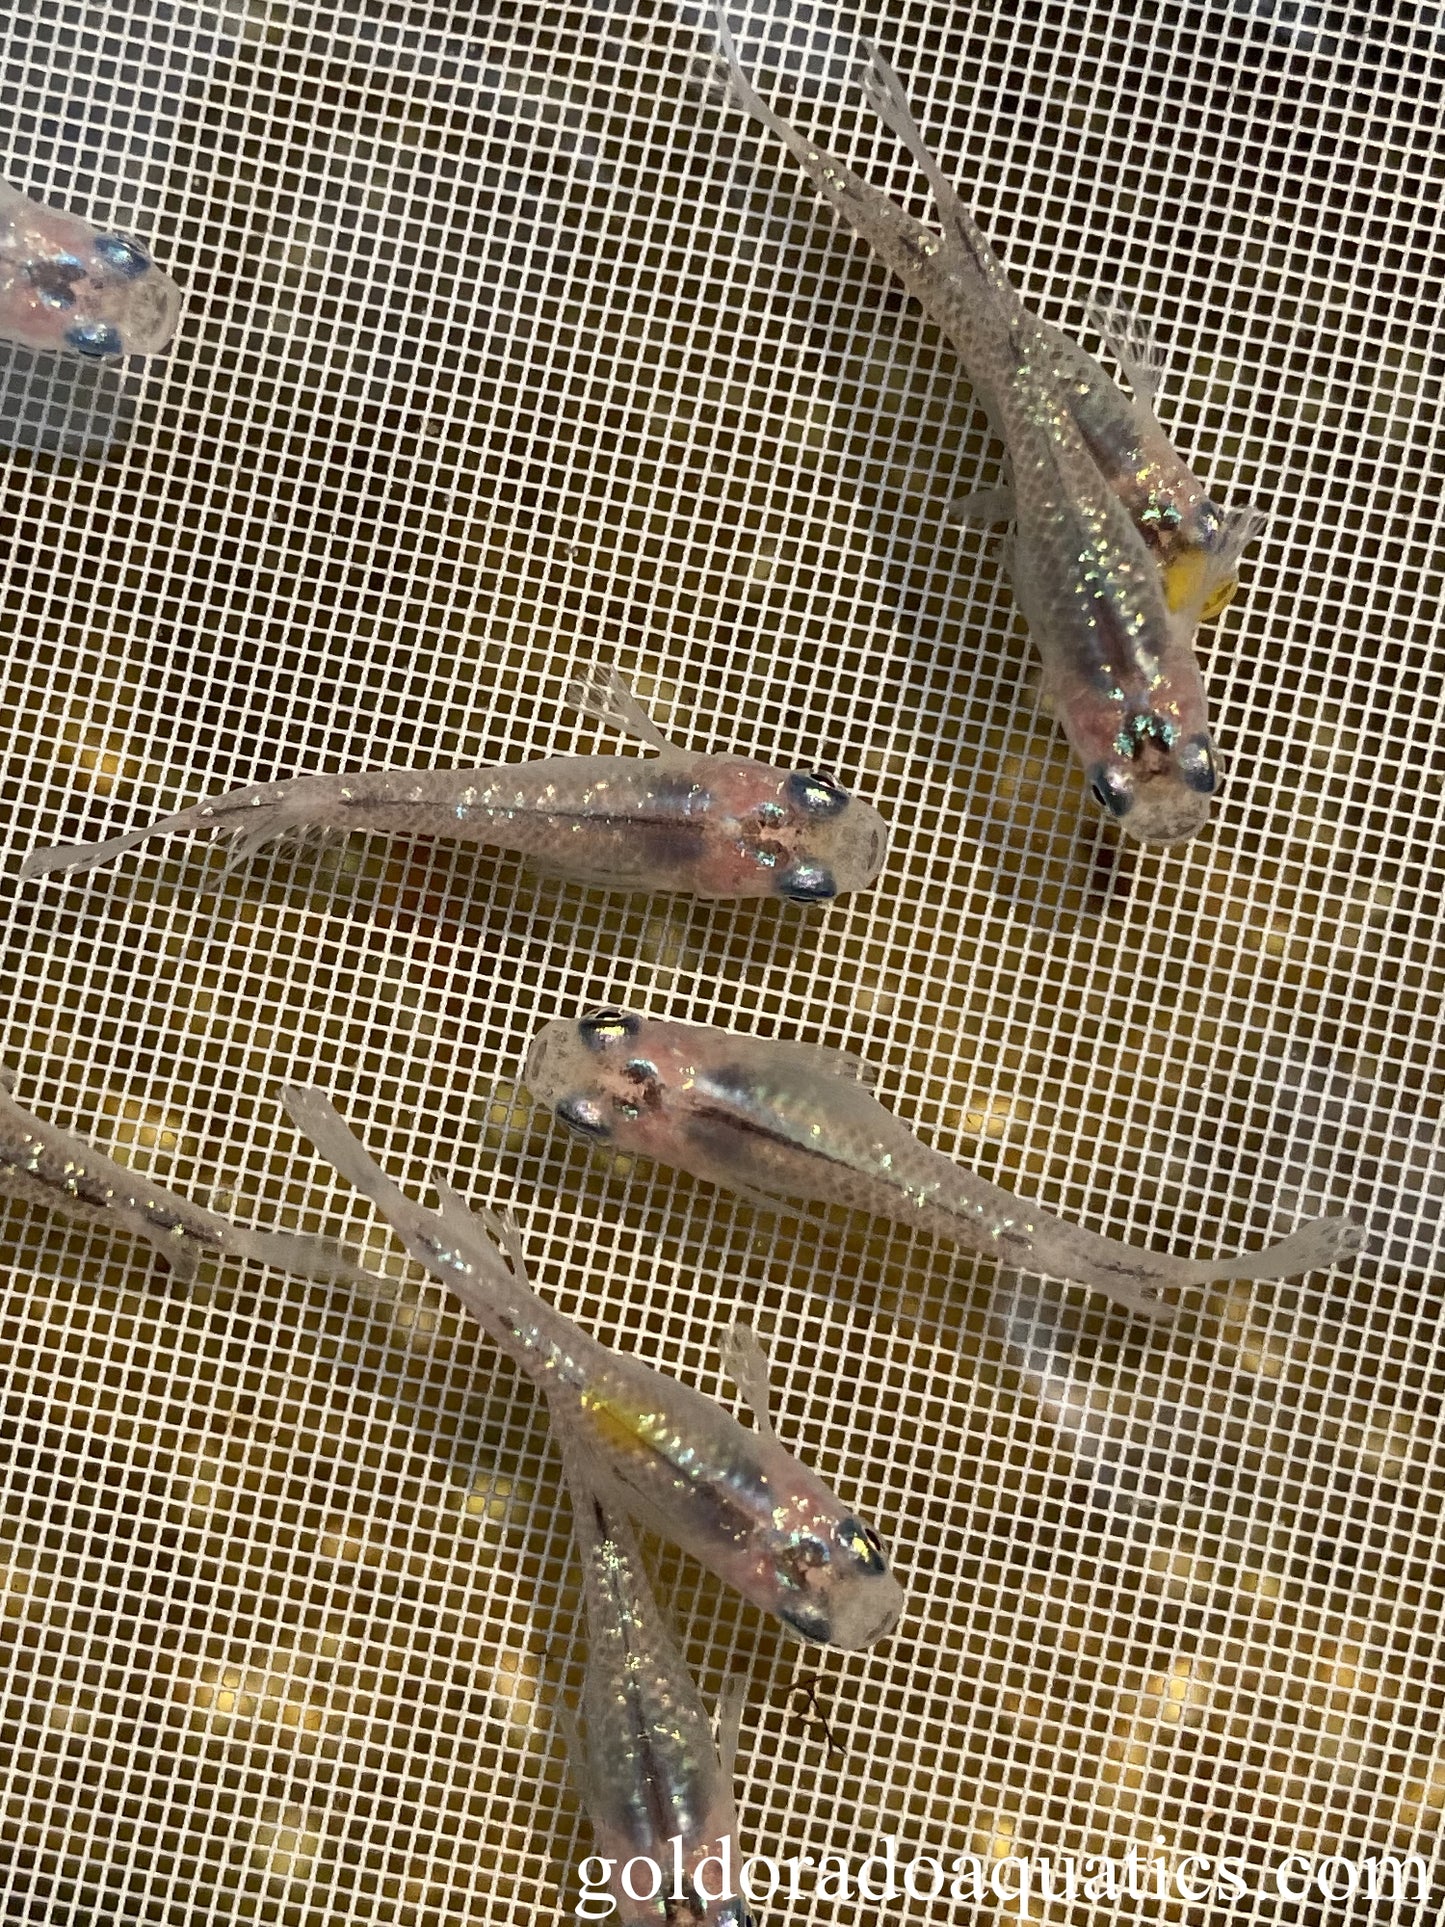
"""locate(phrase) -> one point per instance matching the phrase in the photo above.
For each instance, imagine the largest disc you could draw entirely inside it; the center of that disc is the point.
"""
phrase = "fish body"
(70, 286)
(737, 1500)
(790, 1120)
(713, 826)
(47, 1166)
(649, 1771)
(1117, 551)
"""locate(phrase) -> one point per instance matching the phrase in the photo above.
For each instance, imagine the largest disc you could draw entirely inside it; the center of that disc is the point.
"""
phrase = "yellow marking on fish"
(1184, 579)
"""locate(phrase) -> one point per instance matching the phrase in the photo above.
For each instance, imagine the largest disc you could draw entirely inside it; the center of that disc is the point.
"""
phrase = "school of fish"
(1118, 554)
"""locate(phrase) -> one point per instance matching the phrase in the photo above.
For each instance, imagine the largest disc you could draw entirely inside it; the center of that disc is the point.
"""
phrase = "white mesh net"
(507, 347)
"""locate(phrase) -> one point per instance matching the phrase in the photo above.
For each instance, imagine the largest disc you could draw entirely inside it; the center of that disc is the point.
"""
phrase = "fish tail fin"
(307, 1256)
(452, 1243)
(1136, 1280)
(246, 817)
(885, 95)
(1316, 1246)
(835, 182)
(90, 856)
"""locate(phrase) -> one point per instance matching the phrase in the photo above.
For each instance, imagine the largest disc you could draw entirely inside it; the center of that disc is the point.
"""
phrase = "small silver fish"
(714, 826)
(1118, 553)
(44, 1165)
(649, 1773)
(738, 1501)
(67, 285)
(774, 1120)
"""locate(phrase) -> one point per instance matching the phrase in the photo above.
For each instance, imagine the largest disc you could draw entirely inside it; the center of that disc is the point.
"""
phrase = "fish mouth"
(864, 1614)
(1166, 811)
(536, 1059)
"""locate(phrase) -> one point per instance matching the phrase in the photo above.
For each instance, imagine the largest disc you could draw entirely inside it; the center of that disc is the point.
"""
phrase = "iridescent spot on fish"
(584, 1116)
(1140, 730)
(816, 792)
(599, 1028)
(127, 256)
(1111, 789)
(807, 882)
(96, 338)
(864, 1544)
(1197, 766)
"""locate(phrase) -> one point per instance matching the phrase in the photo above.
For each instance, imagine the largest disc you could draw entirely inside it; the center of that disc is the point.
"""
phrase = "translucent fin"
(315, 1114)
(455, 1213)
(576, 1753)
(1314, 1247)
(89, 856)
(242, 845)
(307, 1256)
(1241, 527)
(746, 1364)
(7, 1080)
(183, 1260)
(885, 95)
(982, 507)
(1136, 1280)
(603, 693)
(1130, 340)
(844, 1064)
(730, 1703)
(503, 1227)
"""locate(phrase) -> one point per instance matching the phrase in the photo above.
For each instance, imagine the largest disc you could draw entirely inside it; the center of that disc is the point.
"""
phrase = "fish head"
(836, 842)
(606, 1074)
(96, 293)
(839, 1589)
(1159, 798)
(1148, 756)
(769, 832)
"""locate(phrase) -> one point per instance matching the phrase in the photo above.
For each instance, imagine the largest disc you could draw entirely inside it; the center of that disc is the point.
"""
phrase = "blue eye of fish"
(810, 1621)
(817, 793)
(863, 1543)
(584, 1116)
(771, 813)
(120, 252)
(599, 1028)
(96, 338)
(1196, 765)
(1111, 787)
(807, 882)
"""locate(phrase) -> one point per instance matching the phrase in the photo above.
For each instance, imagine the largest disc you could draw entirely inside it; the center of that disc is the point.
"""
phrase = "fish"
(69, 286)
(654, 1783)
(713, 826)
(737, 1500)
(44, 1165)
(775, 1119)
(1118, 552)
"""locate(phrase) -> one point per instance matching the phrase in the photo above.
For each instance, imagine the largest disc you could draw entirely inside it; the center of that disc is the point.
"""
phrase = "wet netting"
(509, 346)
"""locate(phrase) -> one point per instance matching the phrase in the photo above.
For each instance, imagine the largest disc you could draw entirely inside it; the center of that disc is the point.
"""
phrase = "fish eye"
(1196, 765)
(864, 1543)
(1111, 789)
(816, 792)
(120, 252)
(807, 882)
(599, 1028)
(96, 338)
(807, 1620)
(584, 1116)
